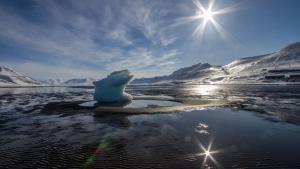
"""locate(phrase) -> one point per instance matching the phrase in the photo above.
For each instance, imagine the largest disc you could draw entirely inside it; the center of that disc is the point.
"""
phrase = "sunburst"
(208, 15)
(208, 154)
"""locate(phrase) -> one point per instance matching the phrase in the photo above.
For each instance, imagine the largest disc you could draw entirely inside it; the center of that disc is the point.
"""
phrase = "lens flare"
(103, 144)
(207, 15)
(208, 155)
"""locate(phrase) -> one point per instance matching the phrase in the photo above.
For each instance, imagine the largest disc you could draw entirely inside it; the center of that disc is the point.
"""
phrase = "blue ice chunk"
(112, 88)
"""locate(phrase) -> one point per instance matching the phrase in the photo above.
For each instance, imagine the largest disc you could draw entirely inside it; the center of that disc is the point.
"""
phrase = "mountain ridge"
(11, 77)
(252, 69)
(279, 66)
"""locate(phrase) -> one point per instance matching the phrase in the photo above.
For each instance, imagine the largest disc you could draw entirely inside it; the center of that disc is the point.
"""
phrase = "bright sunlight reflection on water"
(208, 153)
(46, 128)
(203, 90)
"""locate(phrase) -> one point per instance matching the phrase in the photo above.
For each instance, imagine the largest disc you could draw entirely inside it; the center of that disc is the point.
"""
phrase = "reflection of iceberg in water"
(104, 104)
(140, 103)
(110, 93)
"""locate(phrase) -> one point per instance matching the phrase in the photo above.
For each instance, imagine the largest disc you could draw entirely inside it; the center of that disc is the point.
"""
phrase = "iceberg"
(112, 88)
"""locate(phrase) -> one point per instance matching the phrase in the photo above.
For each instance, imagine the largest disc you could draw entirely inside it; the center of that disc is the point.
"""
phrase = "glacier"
(112, 88)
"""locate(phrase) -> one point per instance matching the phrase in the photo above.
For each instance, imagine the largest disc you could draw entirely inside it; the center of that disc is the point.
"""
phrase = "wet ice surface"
(258, 128)
(133, 104)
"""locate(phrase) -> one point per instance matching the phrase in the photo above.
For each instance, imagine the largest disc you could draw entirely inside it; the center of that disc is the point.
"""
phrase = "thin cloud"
(112, 35)
(44, 71)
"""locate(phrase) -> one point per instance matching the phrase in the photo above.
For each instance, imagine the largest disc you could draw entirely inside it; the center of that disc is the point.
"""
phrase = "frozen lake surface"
(259, 127)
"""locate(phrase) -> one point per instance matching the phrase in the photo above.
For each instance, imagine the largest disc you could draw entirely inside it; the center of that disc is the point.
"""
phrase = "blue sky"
(71, 38)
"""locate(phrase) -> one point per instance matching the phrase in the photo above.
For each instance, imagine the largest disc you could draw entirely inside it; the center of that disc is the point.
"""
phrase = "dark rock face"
(194, 71)
(242, 69)
(292, 46)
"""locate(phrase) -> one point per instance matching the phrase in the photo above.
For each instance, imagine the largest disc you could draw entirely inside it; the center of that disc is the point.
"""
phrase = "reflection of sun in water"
(207, 152)
(204, 89)
(208, 155)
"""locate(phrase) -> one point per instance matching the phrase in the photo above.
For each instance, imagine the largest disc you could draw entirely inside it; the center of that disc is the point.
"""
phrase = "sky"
(73, 39)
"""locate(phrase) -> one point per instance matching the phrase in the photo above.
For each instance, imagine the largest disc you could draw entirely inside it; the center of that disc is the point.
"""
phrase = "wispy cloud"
(40, 70)
(109, 35)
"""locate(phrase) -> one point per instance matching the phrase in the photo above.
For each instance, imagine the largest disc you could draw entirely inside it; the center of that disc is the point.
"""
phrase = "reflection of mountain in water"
(46, 127)
(276, 101)
(276, 110)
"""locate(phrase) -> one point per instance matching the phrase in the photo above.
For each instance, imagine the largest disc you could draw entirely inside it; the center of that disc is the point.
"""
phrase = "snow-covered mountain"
(280, 66)
(79, 82)
(53, 81)
(283, 65)
(198, 71)
(9, 77)
(285, 62)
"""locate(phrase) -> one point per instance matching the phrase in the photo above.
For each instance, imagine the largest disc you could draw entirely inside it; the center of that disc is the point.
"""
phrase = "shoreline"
(162, 84)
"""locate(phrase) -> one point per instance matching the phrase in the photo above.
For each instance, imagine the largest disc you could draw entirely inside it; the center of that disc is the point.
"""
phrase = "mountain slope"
(53, 82)
(280, 66)
(257, 67)
(198, 71)
(9, 77)
(79, 82)
(245, 70)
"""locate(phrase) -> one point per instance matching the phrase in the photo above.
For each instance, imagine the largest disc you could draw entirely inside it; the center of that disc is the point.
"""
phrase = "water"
(258, 127)
(134, 104)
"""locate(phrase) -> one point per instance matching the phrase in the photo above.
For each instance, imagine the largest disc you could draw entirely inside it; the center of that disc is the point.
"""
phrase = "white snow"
(79, 82)
(53, 81)
(9, 77)
(244, 70)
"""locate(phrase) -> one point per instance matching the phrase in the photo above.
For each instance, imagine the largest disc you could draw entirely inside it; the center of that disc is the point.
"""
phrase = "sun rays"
(207, 15)
(208, 155)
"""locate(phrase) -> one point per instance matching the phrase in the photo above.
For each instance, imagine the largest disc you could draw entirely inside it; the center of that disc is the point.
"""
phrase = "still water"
(258, 127)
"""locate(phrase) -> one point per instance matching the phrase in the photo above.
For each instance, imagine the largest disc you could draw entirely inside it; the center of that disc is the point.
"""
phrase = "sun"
(208, 14)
